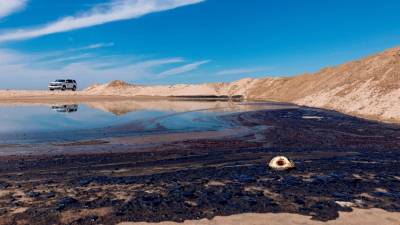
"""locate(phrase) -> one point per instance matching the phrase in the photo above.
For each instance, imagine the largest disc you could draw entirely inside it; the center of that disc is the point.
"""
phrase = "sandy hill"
(369, 87)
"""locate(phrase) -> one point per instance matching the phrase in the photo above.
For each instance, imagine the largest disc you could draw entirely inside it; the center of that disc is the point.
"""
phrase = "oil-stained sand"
(342, 163)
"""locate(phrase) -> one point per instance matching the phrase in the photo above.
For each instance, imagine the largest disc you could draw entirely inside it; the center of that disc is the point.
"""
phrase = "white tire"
(281, 163)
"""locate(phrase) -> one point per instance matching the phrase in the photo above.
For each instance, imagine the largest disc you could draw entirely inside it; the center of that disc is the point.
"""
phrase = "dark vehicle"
(63, 85)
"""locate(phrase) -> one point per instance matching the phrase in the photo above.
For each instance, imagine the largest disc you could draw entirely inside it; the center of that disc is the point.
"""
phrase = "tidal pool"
(34, 123)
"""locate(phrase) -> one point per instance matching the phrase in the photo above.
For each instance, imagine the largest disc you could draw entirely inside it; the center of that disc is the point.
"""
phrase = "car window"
(60, 80)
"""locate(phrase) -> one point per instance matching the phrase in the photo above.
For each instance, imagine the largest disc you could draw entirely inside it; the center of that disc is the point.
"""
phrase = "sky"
(185, 41)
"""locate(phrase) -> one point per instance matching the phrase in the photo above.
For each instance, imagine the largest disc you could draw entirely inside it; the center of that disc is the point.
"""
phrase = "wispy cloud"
(92, 46)
(69, 58)
(157, 62)
(71, 54)
(105, 13)
(239, 71)
(25, 70)
(183, 69)
(8, 7)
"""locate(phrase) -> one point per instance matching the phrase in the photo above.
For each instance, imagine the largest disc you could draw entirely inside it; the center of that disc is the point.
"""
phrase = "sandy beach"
(356, 217)
(199, 112)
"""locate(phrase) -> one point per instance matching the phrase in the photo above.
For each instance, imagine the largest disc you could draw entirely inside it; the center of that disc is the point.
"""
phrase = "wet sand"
(218, 177)
(356, 217)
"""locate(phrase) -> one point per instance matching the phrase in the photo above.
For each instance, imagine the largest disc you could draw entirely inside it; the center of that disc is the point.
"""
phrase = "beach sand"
(356, 217)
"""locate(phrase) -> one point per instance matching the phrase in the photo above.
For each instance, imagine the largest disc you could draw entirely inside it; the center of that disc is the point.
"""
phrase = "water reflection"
(27, 122)
(65, 108)
(119, 108)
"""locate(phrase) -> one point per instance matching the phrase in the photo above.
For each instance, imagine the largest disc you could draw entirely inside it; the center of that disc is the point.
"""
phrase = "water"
(35, 123)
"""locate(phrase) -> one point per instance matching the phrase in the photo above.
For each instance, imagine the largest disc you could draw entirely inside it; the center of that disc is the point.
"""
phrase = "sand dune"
(369, 88)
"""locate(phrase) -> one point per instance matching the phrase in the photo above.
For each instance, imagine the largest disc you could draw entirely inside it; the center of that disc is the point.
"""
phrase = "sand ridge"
(368, 88)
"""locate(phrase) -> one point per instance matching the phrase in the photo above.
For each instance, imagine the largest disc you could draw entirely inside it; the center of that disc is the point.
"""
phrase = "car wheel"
(74, 88)
(51, 89)
(63, 88)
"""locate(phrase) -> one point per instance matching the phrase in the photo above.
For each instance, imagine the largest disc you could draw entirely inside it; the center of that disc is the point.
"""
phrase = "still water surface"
(33, 123)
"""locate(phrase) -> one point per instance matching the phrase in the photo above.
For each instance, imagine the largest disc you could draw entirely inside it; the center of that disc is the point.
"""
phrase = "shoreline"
(141, 143)
(15, 97)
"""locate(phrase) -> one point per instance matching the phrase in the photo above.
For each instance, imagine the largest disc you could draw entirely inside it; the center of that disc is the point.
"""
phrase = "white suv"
(63, 85)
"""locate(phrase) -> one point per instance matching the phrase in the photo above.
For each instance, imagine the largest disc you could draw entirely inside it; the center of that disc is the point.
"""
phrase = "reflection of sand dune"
(123, 107)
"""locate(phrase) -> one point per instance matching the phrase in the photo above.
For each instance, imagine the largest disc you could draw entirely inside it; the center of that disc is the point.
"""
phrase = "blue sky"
(186, 41)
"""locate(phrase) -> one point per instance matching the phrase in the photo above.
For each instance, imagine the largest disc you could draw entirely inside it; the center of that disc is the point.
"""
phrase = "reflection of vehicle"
(63, 85)
(65, 108)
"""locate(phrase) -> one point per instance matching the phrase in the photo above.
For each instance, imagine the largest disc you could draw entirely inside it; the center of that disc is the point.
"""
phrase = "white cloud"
(240, 71)
(66, 55)
(33, 71)
(8, 7)
(9, 57)
(92, 46)
(101, 14)
(157, 62)
(183, 69)
(100, 45)
(69, 58)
